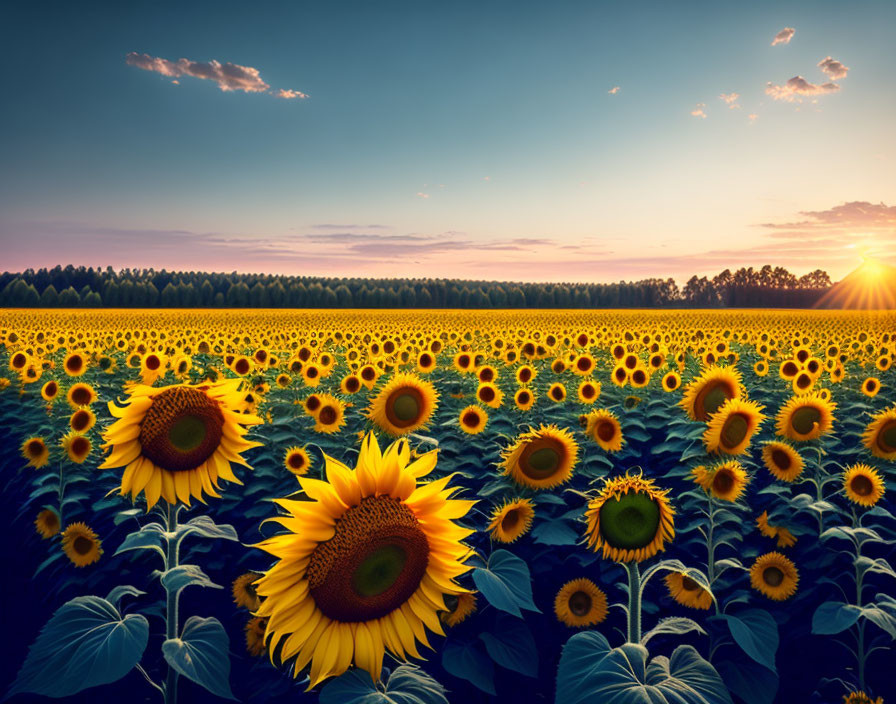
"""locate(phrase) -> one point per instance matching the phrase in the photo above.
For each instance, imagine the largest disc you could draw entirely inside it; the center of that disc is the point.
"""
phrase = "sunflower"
(243, 591)
(726, 481)
(774, 575)
(730, 428)
(152, 366)
(604, 428)
(81, 545)
(405, 404)
(525, 374)
(76, 446)
(472, 420)
(50, 390)
(782, 461)
(557, 392)
(35, 450)
(460, 607)
(489, 394)
(806, 417)
(589, 391)
(524, 399)
(74, 364)
(255, 630)
(871, 386)
(861, 698)
(785, 538)
(82, 420)
(177, 441)
(671, 381)
(366, 563)
(863, 485)
(580, 603)
(297, 460)
(351, 384)
(542, 458)
(512, 520)
(630, 519)
(47, 523)
(687, 592)
(880, 435)
(705, 394)
(330, 416)
(80, 394)
(761, 368)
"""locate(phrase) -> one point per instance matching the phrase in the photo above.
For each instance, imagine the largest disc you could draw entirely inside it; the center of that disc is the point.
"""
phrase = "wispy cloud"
(421, 194)
(614, 90)
(784, 36)
(833, 68)
(854, 215)
(730, 99)
(699, 111)
(797, 88)
(228, 76)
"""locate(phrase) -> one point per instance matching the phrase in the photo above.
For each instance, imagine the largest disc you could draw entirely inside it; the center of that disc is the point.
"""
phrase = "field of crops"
(431, 506)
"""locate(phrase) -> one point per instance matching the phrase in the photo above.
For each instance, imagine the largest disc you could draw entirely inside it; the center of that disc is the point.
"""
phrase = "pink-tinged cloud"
(228, 76)
(422, 195)
(699, 111)
(798, 88)
(752, 117)
(857, 215)
(730, 99)
(614, 90)
(833, 68)
(289, 94)
(784, 36)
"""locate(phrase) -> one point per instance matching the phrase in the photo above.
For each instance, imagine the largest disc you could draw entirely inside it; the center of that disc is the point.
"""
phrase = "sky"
(570, 141)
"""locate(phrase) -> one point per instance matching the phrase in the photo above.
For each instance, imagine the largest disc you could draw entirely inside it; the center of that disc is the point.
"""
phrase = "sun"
(871, 286)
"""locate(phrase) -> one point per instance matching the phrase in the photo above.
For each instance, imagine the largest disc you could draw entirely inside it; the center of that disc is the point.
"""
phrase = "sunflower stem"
(171, 616)
(710, 546)
(634, 601)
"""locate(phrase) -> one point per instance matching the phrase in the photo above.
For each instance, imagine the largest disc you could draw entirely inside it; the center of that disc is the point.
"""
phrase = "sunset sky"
(569, 141)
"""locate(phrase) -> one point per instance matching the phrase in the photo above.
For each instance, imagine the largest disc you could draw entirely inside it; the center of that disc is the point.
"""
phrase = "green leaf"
(591, 671)
(115, 595)
(468, 661)
(205, 527)
(182, 576)
(407, 684)
(756, 632)
(85, 643)
(505, 583)
(511, 645)
(201, 655)
(834, 617)
(675, 625)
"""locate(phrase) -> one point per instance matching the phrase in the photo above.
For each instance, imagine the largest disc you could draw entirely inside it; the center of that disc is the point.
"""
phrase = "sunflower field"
(362, 507)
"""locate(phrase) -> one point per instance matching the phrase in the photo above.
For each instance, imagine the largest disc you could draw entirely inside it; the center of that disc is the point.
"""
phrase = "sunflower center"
(182, 429)
(886, 438)
(630, 521)
(35, 448)
(296, 461)
(81, 395)
(710, 399)
(403, 407)
(805, 419)
(80, 446)
(773, 576)
(373, 563)
(580, 603)
(606, 430)
(688, 584)
(487, 394)
(510, 520)
(734, 432)
(862, 485)
(82, 545)
(327, 415)
(80, 419)
(541, 459)
(471, 419)
(781, 459)
(723, 482)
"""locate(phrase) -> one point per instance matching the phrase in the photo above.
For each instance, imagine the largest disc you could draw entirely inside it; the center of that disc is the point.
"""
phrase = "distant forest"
(70, 286)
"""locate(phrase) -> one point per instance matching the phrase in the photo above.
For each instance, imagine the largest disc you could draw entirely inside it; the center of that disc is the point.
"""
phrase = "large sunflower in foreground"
(706, 394)
(541, 459)
(366, 563)
(403, 405)
(177, 441)
(880, 435)
(730, 428)
(805, 417)
(630, 519)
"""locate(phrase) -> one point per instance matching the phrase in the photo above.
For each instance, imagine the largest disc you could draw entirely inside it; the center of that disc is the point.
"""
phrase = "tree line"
(69, 287)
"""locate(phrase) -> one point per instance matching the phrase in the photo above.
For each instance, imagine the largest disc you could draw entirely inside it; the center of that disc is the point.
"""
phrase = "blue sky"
(477, 140)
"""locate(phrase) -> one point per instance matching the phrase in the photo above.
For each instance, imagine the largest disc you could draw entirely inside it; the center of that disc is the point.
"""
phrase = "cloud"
(228, 76)
(698, 111)
(614, 90)
(798, 87)
(420, 194)
(730, 99)
(784, 36)
(853, 215)
(752, 117)
(833, 68)
(289, 94)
